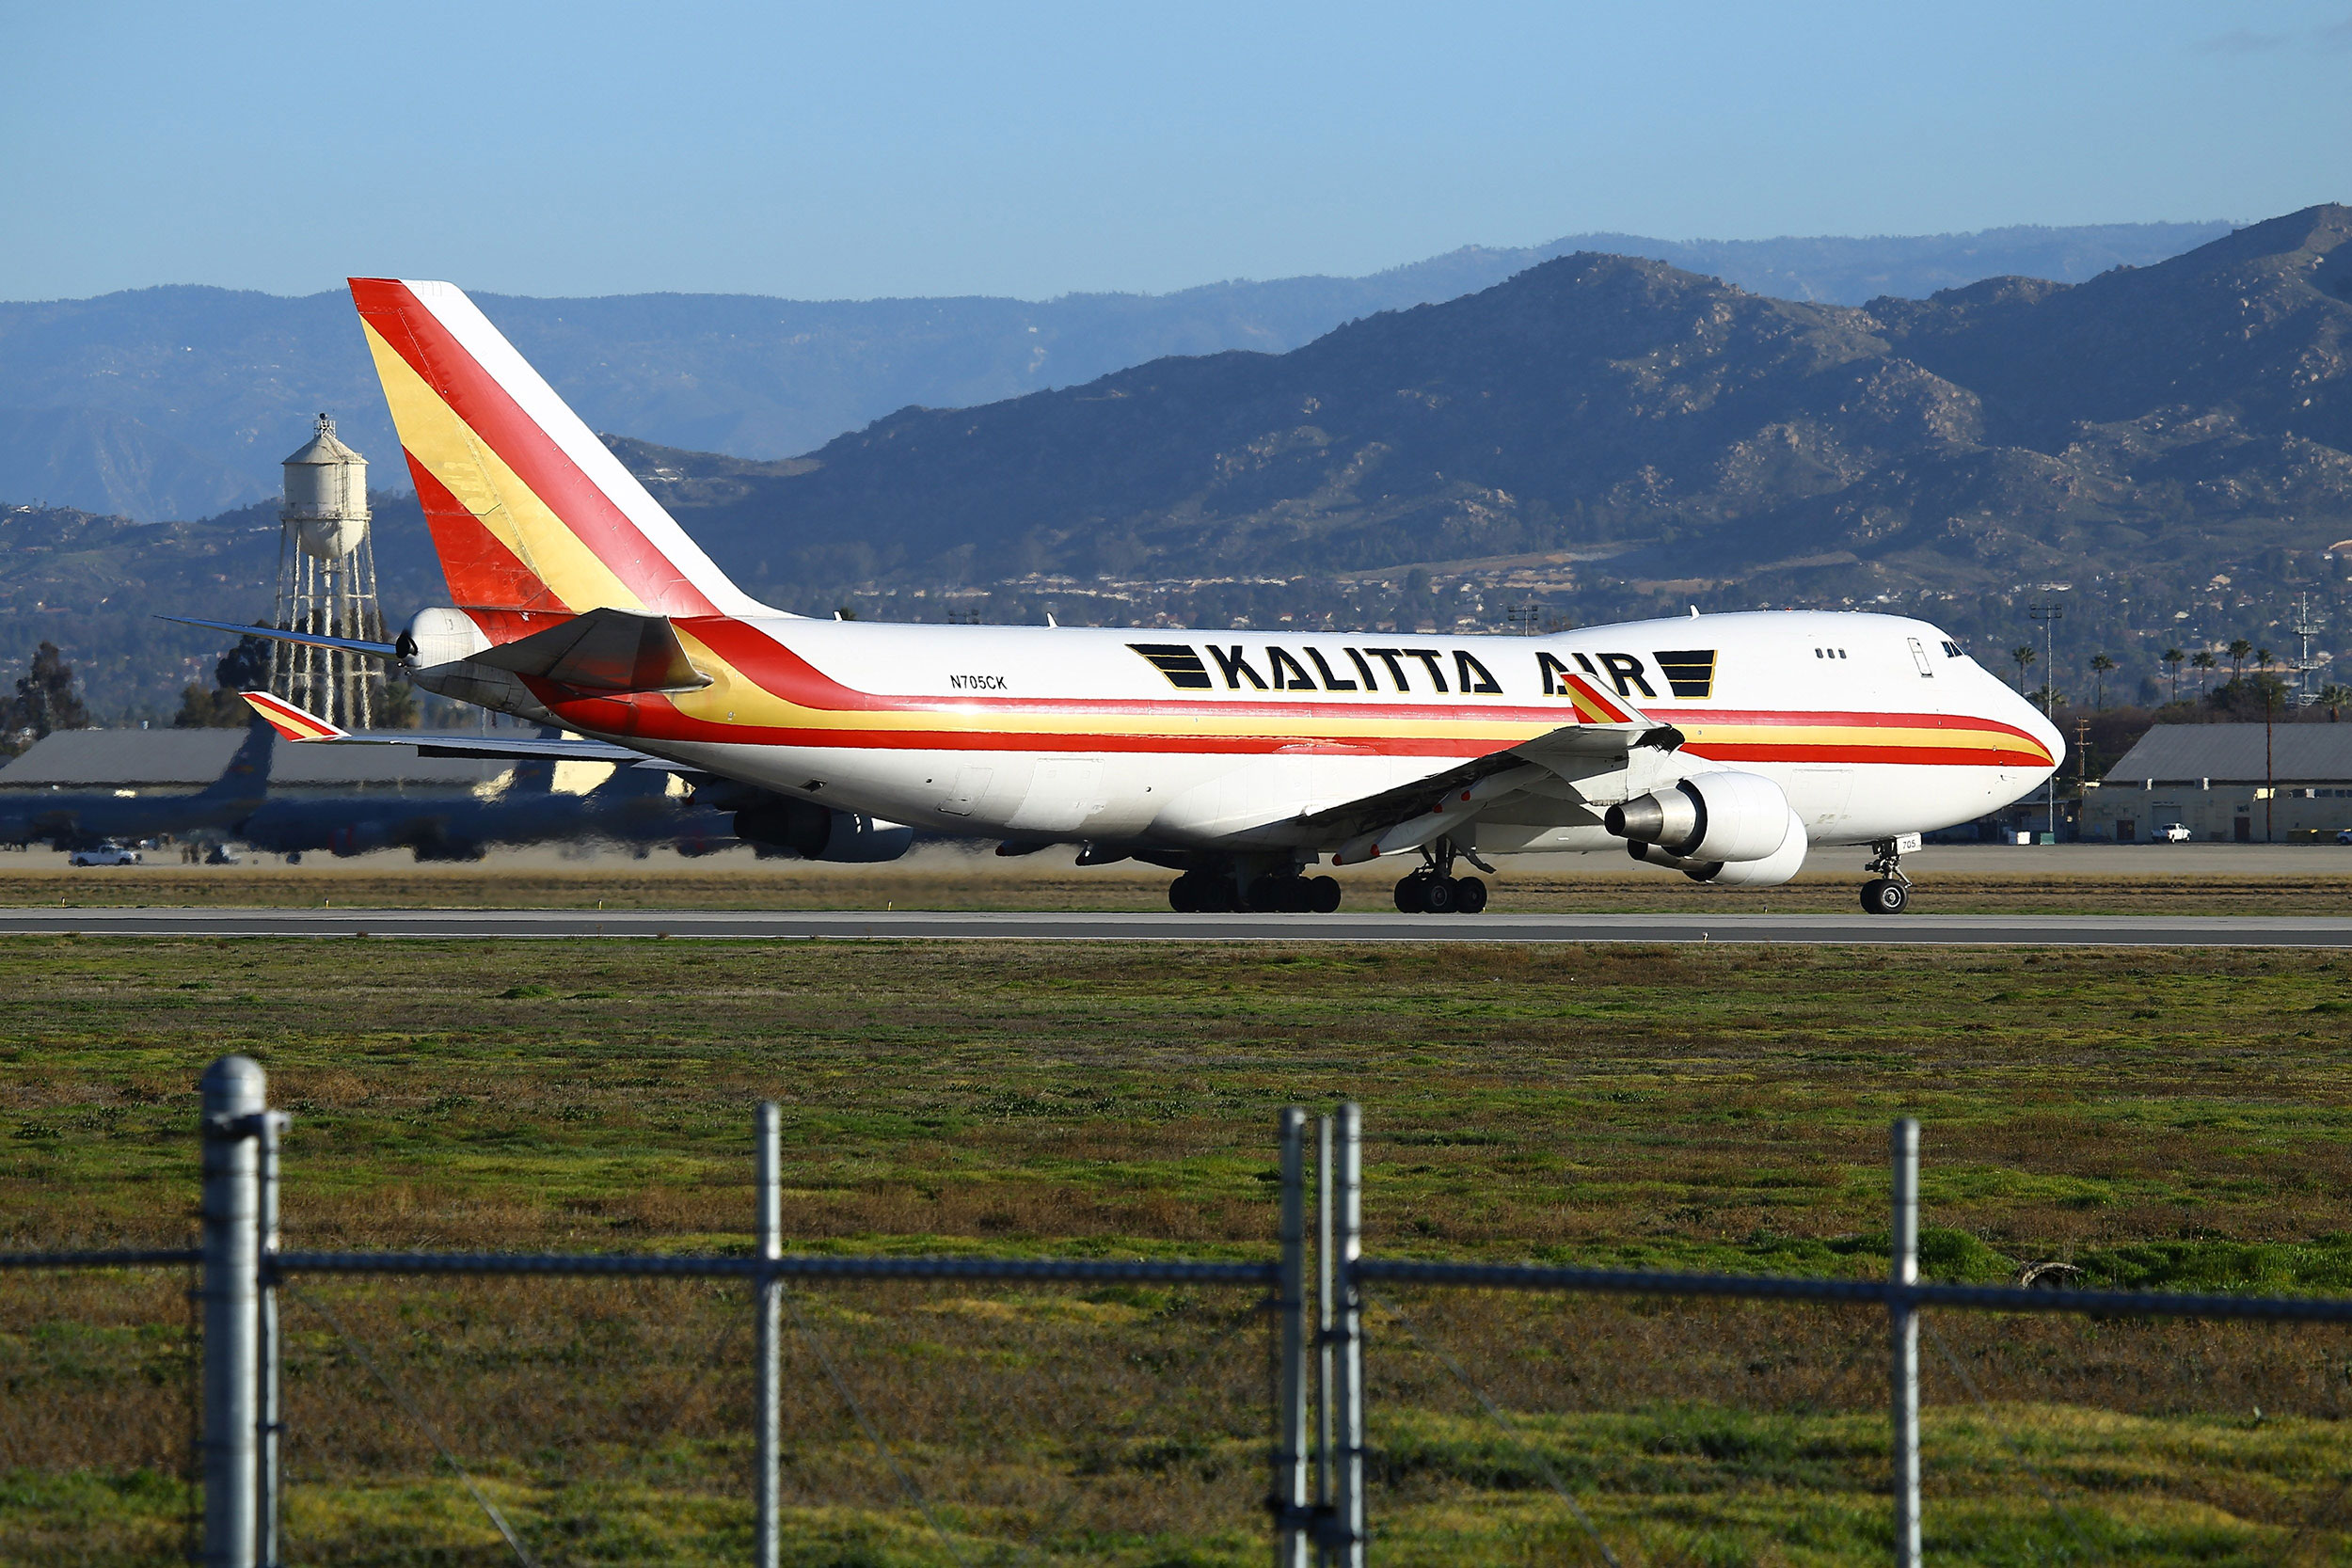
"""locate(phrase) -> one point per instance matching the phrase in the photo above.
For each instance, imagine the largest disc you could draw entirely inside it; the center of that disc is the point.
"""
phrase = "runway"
(1931, 930)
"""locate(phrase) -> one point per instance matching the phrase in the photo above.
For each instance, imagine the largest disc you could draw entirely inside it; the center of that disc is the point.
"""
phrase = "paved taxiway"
(2061, 931)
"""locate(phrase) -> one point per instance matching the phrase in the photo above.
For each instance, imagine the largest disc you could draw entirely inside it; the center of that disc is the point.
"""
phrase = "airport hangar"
(2225, 785)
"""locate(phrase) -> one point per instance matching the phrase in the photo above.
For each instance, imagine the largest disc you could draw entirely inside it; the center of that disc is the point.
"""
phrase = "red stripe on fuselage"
(431, 350)
(779, 670)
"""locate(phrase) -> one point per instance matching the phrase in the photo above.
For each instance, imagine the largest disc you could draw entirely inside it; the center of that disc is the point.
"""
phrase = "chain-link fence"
(249, 1405)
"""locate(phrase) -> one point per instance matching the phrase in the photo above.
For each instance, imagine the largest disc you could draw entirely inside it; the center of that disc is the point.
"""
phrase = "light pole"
(2049, 615)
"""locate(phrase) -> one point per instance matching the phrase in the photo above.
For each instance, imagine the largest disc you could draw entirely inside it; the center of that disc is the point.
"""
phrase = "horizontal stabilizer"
(275, 634)
(298, 724)
(604, 650)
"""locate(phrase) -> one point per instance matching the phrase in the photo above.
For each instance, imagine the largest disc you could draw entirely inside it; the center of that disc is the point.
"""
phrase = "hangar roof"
(190, 759)
(2302, 753)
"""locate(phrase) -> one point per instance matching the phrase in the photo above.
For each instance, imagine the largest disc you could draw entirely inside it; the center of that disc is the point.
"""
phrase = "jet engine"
(1709, 818)
(1770, 871)
(818, 832)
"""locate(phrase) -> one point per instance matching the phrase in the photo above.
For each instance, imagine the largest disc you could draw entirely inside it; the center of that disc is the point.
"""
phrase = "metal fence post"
(234, 1091)
(1904, 1322)
(1326, 1297)
(1292, 1518)
(769, 1301)
(269, 1127)
(1347, 1501)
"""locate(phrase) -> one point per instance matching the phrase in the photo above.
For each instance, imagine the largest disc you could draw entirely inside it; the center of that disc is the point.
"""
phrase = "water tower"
(326, 583)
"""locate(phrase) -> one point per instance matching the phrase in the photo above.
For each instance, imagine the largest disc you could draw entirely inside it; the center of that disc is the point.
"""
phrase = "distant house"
(2215, 780)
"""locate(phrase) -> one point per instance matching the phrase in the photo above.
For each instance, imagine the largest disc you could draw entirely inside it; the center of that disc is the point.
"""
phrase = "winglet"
(1594, 708)
(289, 721)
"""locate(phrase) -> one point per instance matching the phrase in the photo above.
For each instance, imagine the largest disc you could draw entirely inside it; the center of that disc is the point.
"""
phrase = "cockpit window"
(1951, 649)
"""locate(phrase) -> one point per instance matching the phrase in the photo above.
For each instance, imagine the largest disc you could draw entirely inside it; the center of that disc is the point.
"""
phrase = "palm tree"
(2332, 697)
(2273, 690)
(2201, 663)
(2172, 658)
(2100, 665)
(2238, 652)
(2023, 654)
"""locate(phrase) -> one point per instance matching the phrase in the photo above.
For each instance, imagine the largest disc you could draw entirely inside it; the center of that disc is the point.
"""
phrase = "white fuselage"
(1872, 725)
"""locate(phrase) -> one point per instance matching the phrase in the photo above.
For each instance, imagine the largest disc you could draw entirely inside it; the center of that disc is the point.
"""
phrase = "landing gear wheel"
(1439, 896)
(1409, 891)
(1276, 896)
(1200, 892)
(1885, 895)
(1470, 895)
(1322, 894)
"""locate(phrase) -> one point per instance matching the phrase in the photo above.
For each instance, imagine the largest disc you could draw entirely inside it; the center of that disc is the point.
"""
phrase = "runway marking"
(1814, 929)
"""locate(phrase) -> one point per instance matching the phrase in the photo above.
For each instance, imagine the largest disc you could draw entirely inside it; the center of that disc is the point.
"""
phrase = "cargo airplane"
(1722, 746)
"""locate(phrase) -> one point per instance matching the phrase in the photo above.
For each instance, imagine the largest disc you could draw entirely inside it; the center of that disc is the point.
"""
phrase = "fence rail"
(1872, 1293)
(1316, 1499)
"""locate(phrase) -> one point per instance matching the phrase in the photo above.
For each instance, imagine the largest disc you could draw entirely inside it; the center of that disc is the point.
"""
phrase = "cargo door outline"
(970, 789)
(1822, 796)
(1063, 793)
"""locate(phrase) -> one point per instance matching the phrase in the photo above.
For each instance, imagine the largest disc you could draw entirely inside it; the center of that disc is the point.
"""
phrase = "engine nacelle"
(1770, 871)
(816, 832)
(1709, 816)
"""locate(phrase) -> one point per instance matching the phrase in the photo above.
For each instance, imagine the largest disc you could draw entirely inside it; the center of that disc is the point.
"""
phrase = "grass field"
(947, 879)
(2169, 1119)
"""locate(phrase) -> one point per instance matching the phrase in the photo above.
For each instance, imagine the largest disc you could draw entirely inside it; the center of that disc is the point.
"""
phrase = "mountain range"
(2164, 450)
(167, 403)
(1621, 437)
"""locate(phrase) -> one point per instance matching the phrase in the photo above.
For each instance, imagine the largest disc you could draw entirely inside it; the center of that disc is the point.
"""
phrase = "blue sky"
(858, 150)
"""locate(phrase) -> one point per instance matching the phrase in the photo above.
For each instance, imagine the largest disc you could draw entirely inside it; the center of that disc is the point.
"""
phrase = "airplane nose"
(2036, 724)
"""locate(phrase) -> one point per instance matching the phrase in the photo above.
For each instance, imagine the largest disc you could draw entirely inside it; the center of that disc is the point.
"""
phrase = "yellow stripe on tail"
(289, 721)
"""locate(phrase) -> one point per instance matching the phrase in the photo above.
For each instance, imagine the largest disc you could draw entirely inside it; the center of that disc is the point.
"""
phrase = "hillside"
(2152, 429)
(93, 585)
(235, 376)
(115, 463)
(2165, 449)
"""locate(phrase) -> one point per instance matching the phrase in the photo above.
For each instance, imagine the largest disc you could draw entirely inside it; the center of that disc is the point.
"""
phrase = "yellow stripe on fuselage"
(736, 699)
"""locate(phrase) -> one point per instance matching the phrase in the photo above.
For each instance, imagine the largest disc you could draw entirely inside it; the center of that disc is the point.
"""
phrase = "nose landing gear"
(1888, 891)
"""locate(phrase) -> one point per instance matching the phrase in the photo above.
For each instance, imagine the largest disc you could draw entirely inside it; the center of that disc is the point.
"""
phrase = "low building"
(2226, 783)
(177, 762)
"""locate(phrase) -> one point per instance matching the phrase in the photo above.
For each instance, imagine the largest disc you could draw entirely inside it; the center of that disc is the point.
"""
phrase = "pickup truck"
(104, 854)
(2174, 832)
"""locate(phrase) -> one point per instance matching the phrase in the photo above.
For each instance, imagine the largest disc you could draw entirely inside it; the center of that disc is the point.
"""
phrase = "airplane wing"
(1412, 814)
(298, 724)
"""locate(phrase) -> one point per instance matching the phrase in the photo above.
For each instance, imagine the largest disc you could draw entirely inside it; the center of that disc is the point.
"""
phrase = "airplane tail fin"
(246, 777)
(529, 510)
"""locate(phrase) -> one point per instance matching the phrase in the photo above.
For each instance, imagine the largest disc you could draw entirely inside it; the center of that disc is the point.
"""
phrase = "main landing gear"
(1275, 892)
(1888, 891)
(1435, 890)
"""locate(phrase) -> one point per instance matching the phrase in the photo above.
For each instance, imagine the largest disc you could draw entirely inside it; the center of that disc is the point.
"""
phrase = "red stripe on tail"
(409, 326)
